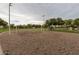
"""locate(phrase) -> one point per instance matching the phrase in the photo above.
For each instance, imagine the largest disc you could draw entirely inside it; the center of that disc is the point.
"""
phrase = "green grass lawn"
(57, 30)
(70, 31)
(66, 30)
(39, 29)
(3, 29)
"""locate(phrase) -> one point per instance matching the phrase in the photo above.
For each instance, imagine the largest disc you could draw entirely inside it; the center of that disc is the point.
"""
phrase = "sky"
(32, 13)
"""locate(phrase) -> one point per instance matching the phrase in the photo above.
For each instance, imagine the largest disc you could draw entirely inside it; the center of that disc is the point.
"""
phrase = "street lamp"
(16, 25)
(10, 4)
(43, 16)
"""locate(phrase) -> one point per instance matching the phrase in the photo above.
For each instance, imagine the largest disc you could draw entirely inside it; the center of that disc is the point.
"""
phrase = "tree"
(29, 25)
(36, 26)
(12, 25)
(76, 22)
(53, 21)
(47, 23)
(50, 23)
(3, 23)
(68, 22)
(60, 21)
(20, 26)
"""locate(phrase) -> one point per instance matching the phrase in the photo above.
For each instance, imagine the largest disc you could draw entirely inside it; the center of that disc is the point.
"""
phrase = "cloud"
(26, 13)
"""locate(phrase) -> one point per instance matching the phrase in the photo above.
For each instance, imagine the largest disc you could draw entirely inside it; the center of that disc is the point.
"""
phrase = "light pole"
(10, 4)
(16, 25)
(43, 20)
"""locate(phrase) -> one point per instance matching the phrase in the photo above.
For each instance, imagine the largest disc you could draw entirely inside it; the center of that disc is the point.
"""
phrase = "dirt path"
(51, 43)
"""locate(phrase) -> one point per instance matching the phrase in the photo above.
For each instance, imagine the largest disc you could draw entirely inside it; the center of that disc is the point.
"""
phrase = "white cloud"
(26, 13)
